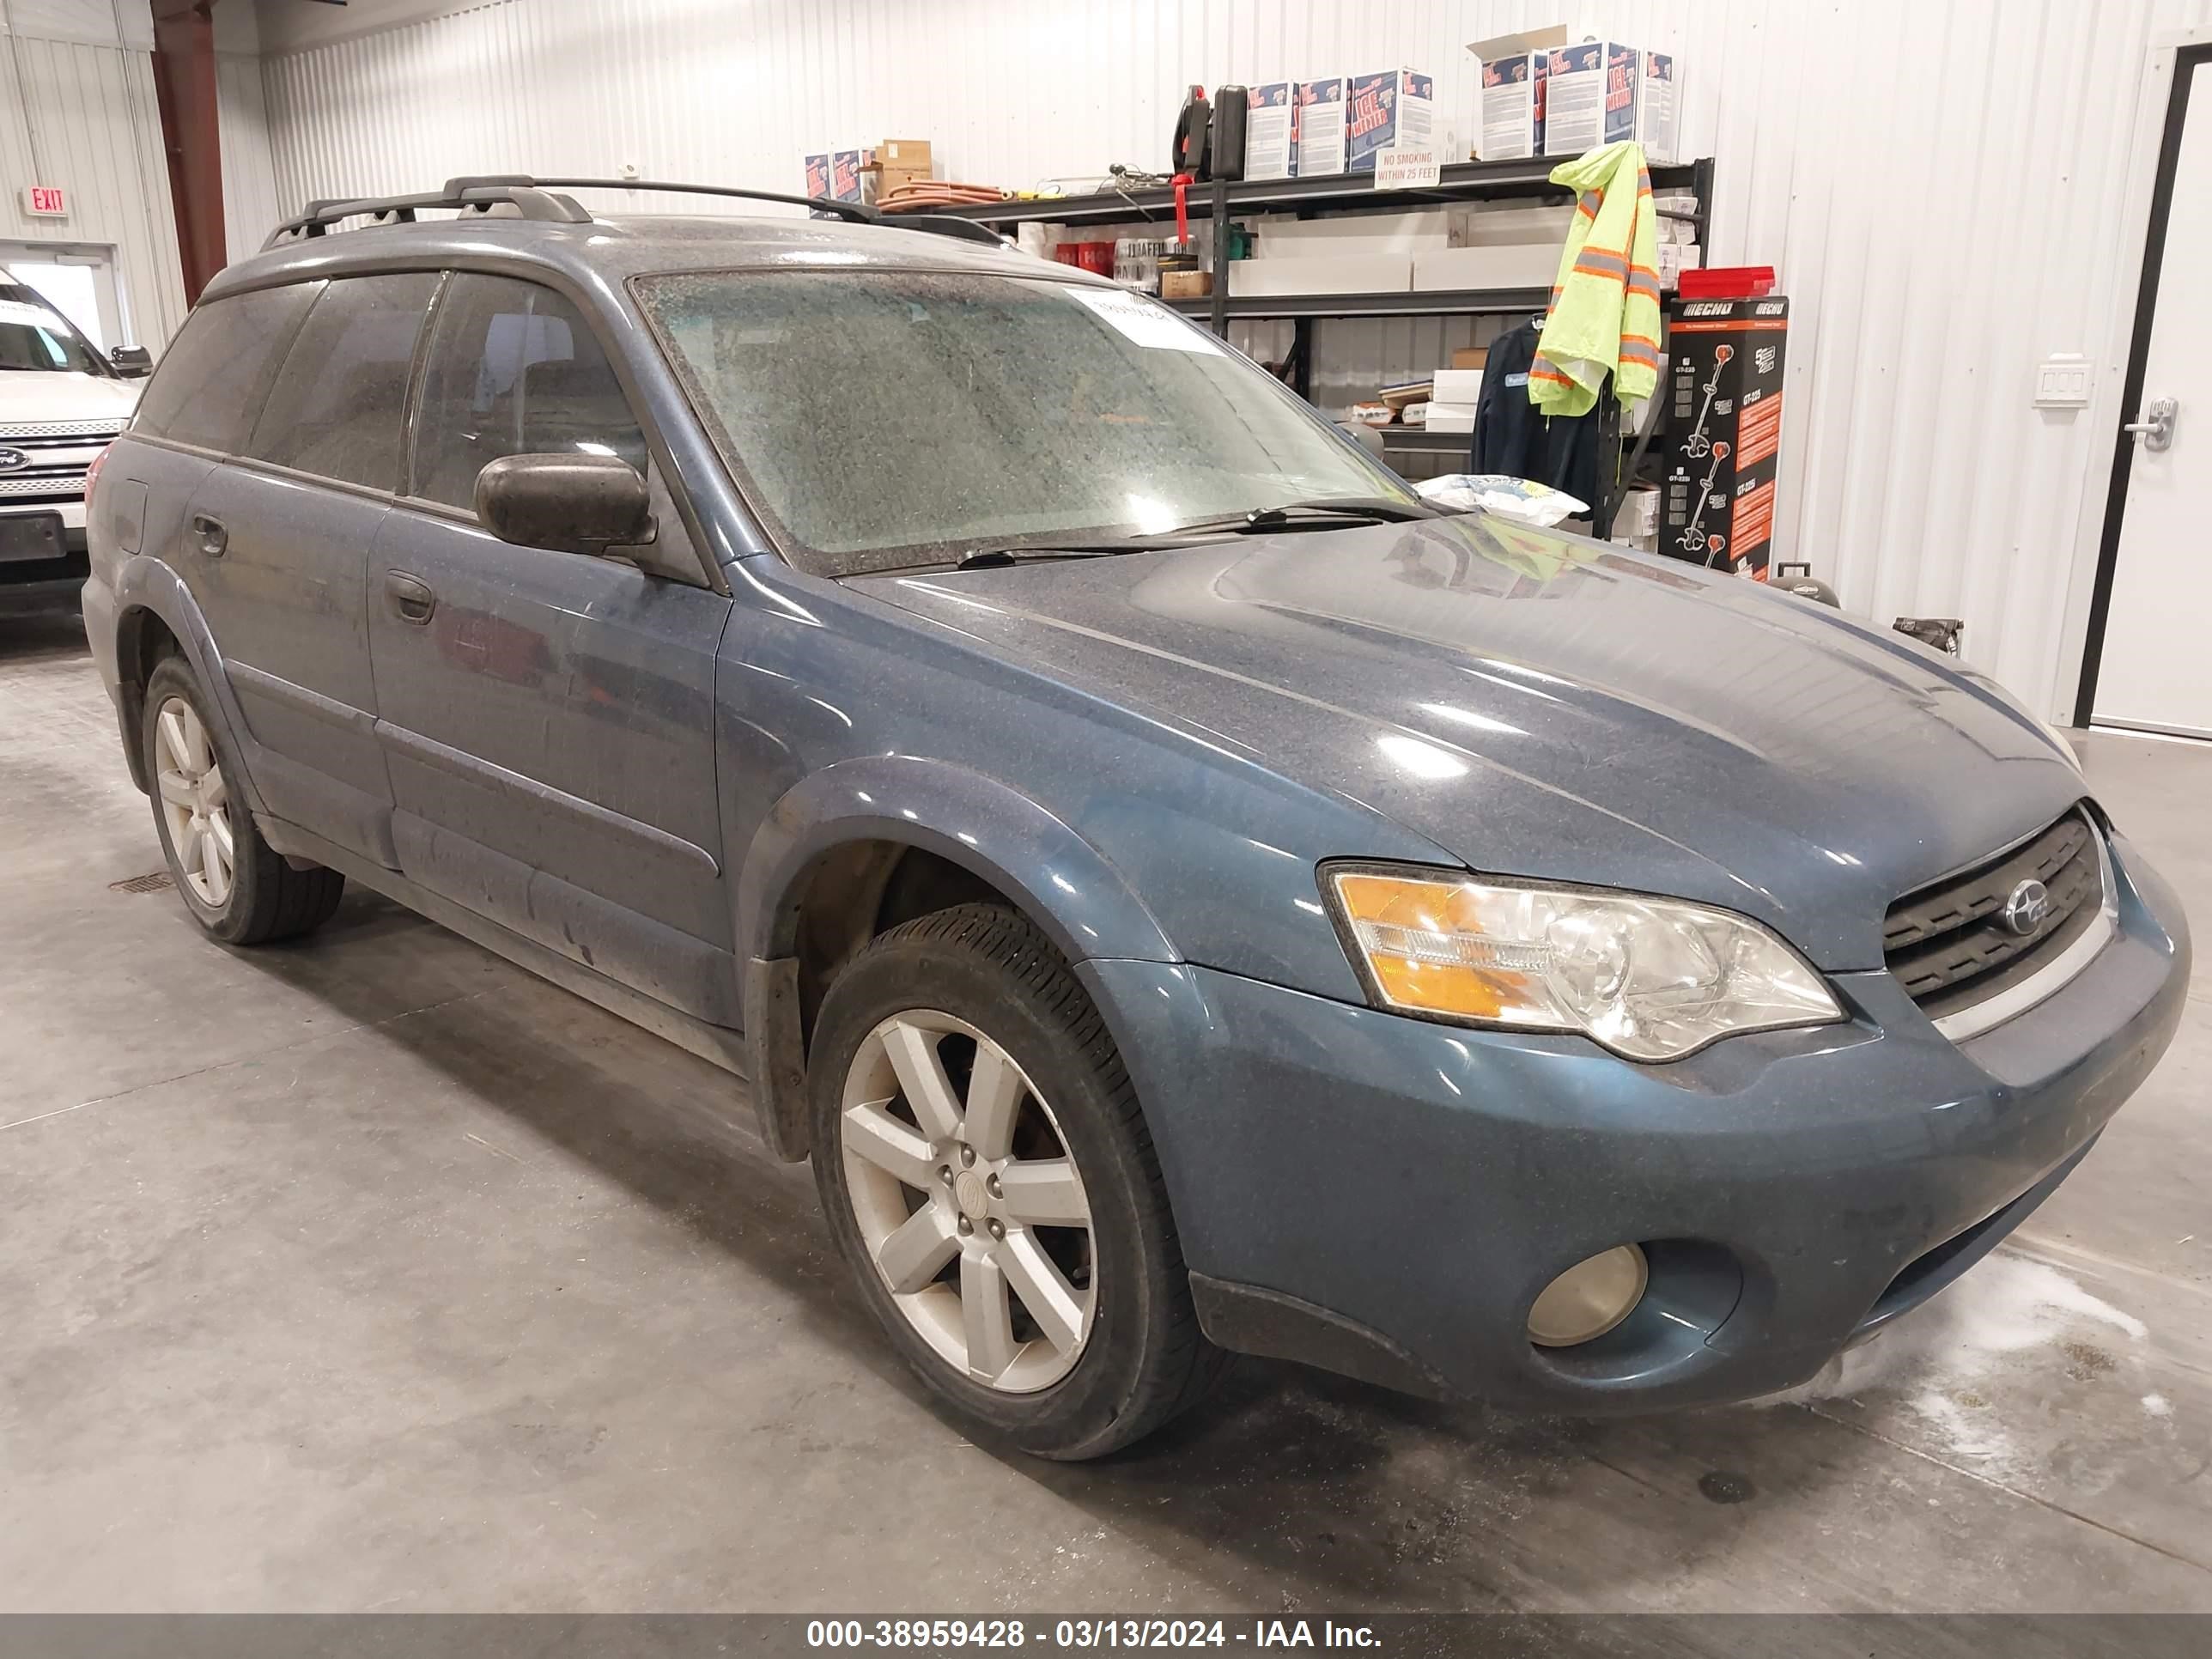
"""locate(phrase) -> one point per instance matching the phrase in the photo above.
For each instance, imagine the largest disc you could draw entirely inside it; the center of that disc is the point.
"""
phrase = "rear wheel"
(990, 1180)
(237, 888)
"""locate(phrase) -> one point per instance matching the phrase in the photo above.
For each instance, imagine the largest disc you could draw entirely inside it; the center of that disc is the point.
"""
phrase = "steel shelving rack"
(1221, 199)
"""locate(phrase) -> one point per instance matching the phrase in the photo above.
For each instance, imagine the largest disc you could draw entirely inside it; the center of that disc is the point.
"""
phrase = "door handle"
(210, 536)
(2156, 429)
(412, 601)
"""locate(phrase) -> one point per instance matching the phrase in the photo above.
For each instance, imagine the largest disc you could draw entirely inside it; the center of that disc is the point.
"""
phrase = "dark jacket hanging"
(1512, 438)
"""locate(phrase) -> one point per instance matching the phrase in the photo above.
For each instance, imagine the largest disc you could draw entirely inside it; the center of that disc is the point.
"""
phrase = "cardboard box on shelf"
(908, 154)
(1723, 392)
(849, 180)
(1268, 125)
(1317, 137)
(1510, 71)
(1526, 264)
(1456, 385)
(1635, 521)
(1657, 122)
(1493, 227)
(1347, 273)
(1186, 284)
(1601, 92)
(1283, 237)
(817, 175)
(1470, 356)
(1450, 418)
(1675, 258)
(1388, 110)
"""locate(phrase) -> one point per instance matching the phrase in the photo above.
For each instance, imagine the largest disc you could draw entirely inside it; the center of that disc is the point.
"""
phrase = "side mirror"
(570, 503)
(131, 363)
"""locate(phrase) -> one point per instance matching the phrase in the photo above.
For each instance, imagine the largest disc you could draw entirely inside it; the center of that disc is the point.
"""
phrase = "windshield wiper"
(1316, 514)
(1026, 552)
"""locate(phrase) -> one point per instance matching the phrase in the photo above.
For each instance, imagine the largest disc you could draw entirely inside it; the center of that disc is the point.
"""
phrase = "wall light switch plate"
(2062, 382)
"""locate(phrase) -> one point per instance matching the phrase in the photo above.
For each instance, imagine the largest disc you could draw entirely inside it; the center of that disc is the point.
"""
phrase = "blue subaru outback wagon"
(1185, 894)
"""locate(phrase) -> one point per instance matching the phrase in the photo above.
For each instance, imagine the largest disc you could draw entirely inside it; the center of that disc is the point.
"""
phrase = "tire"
(977, 986)
(253, 897)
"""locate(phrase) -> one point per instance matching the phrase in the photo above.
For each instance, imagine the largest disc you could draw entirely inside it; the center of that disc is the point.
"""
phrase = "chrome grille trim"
(2054, 975)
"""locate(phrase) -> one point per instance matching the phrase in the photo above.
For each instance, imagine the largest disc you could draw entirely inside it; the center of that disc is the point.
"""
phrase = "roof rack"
(540, 199)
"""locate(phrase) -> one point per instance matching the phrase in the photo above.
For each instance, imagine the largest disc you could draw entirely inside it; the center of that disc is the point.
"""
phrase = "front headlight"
(1650, 978)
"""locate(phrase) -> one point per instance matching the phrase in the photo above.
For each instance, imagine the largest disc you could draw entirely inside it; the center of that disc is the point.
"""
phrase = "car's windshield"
(887, 419)
(34, 336)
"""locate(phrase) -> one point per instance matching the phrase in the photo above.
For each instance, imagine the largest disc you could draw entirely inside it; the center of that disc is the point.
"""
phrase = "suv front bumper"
(1387, 1196)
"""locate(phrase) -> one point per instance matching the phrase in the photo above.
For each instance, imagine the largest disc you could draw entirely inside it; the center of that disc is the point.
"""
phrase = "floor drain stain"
(159, 882)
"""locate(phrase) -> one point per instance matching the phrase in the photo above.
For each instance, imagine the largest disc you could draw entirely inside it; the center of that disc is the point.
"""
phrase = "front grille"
(57, 486)
(1950, 944)
(101, 429)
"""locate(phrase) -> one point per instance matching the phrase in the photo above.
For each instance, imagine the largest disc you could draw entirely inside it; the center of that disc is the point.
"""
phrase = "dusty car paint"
(624, 779)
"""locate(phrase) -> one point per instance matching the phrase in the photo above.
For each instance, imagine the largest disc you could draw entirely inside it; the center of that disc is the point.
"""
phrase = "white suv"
(61, 402)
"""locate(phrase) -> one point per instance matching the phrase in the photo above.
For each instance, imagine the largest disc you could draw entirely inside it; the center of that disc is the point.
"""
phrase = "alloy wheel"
(968, 1201)
(195, 803)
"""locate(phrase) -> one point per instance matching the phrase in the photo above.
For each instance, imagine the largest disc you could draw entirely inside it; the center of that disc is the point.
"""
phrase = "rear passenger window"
(514, 369)
(339, 405)
(210, 385)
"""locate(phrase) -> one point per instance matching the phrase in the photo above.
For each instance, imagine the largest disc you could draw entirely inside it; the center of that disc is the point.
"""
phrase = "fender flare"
(1058, 880)
(146, 584)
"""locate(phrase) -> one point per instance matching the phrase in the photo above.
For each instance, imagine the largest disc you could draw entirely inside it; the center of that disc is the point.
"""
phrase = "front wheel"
(991, 1181)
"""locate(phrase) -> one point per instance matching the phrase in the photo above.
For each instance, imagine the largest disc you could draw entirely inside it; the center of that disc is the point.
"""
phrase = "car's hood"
(1545, 706)
(31, 395)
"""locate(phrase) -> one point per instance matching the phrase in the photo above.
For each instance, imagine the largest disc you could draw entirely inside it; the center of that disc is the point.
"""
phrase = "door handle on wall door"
(2157, 428)
(411, 597)
(210, 536)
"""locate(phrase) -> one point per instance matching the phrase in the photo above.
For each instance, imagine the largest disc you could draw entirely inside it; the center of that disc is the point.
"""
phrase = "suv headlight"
(1650, 978)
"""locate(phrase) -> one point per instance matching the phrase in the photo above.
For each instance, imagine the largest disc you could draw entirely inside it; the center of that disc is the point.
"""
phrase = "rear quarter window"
(339, 404)
(210, 382)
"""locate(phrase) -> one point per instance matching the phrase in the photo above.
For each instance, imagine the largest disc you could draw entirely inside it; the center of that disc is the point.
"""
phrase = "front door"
(547, 717)
(2154, 672)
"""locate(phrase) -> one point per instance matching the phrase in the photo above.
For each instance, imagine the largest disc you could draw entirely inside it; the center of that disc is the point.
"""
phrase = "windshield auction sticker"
(1146, 323)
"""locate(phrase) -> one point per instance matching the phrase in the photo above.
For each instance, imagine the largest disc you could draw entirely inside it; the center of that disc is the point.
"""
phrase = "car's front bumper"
(1387, 1196)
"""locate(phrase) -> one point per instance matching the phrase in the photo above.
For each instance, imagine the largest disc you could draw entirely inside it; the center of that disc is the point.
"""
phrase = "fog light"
(1590, 1299)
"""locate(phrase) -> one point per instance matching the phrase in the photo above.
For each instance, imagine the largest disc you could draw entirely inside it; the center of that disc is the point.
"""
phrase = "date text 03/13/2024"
(1069, 1634)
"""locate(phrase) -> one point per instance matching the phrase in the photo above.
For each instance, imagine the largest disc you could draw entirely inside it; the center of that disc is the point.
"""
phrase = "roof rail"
(857, 213)
(477, 194)
(537, 198)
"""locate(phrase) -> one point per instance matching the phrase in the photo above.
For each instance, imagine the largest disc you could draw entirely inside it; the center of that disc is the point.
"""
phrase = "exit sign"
(44, 202)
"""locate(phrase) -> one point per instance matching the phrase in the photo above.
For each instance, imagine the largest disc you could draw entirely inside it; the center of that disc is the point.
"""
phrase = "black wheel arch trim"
(1077, 898)
(146, 585)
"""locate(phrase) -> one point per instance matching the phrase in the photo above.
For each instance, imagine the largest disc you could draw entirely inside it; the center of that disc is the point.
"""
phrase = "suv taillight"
(91, 472)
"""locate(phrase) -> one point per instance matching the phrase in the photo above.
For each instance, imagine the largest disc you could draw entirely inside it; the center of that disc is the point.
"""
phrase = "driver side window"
(513, 370)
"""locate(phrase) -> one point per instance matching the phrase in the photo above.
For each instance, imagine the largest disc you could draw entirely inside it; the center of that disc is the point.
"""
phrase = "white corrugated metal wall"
(250, 202)
(1939, 187)
(77, 110)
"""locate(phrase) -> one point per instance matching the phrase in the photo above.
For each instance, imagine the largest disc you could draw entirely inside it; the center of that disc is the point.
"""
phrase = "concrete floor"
(375, 1275)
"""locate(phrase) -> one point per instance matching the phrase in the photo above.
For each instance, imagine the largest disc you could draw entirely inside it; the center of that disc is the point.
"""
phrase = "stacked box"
(817, 174)
(1601, 92)
(1268, 126)
(1394, 109)
(1723, 415)
(1317, 137)
(1513, 105)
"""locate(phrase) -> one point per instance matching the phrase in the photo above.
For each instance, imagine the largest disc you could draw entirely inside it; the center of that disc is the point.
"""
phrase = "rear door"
(283, 535)
(547, 716)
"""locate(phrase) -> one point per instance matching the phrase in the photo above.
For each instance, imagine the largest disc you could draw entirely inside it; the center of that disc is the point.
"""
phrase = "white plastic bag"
(1519, 499)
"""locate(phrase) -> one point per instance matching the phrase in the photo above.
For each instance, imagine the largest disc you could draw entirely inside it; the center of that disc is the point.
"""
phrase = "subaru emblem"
(2026, 907)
